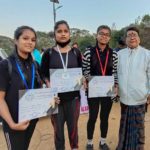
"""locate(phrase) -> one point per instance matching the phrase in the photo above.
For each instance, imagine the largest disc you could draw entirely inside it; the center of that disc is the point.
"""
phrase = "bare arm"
(47, 83)
(5, 114)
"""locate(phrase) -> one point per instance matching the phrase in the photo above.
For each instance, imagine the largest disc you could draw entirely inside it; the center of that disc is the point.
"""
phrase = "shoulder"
(5, 71)
(123, 51)
(3, 64)
(47, 53)
(76, 51)
(88, 51)
(147, 51)
(7, 64)
(114, 53)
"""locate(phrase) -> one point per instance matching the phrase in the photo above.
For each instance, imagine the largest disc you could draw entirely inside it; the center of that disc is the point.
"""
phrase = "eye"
(66, 31)
(104, 34)
(25, 38)
(59, 31)
(132, 35)
(33, 40)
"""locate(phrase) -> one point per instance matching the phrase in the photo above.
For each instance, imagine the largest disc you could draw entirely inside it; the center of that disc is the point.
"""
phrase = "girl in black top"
(18, 135)
(69, 106)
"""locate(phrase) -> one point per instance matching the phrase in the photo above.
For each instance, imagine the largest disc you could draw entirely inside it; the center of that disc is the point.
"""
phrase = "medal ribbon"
(106, 62)
(23, 77)
(62, 60)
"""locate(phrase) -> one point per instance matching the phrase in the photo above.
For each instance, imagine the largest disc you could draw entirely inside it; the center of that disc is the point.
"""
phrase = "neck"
(102, 46)
(23, 54)
(64, 49)
(133, 48)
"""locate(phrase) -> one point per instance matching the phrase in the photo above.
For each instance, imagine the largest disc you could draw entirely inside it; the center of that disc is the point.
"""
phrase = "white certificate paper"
(101, 86)
(66, 81)
(36, 103)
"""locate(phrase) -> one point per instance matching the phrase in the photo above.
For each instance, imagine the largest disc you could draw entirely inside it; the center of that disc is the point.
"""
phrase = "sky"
(82, 14)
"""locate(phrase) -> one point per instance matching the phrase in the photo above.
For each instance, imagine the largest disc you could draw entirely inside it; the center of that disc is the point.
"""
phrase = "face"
(62, 33)
(26, 42)
(103, 36)
(132, 39)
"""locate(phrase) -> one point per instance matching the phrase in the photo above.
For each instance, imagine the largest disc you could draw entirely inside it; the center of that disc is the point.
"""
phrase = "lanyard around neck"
(103, 69)
(62, 60)
(23, 77)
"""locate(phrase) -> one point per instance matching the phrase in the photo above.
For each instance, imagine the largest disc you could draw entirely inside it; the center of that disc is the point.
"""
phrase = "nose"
(63, 34)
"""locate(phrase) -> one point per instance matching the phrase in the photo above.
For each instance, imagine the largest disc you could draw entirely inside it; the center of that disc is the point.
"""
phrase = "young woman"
(100, 60)
(63, 56)
(24, 75)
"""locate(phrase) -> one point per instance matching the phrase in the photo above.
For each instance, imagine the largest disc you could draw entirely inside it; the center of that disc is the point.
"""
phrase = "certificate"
(36, 103)
(101, 86)
(66, 80)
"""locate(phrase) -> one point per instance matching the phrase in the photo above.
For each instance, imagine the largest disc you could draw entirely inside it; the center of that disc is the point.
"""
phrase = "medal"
(65, 75)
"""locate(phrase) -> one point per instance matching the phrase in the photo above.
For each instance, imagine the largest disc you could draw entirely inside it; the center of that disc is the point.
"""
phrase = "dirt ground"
(43, 135)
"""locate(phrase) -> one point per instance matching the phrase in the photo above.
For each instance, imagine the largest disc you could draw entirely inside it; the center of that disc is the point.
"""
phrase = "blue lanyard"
(23, 77)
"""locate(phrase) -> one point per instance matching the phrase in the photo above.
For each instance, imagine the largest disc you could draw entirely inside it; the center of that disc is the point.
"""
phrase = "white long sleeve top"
(134, 75)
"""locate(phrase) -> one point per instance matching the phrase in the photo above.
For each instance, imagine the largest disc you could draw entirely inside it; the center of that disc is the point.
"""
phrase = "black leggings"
(94, 103)
(69, 113)
(19, 140)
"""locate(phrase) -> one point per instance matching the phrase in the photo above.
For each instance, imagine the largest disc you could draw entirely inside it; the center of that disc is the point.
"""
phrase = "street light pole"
(54, 12)
(54, 9)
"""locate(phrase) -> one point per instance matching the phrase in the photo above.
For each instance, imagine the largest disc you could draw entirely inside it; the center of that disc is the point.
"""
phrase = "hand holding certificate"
(36, 103)
(101, 86)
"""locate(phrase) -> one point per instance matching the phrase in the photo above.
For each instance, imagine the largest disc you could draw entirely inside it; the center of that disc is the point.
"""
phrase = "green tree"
(116, 35)
(45, 40)
(146, 20)
(7, 44)
(85, 42)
